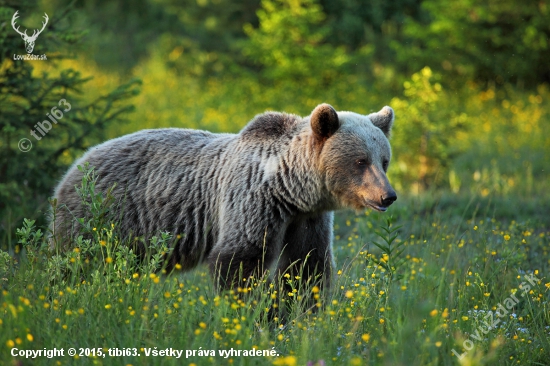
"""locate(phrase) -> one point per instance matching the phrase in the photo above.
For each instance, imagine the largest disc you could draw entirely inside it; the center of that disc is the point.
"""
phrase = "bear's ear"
(324, 121)
(383, 119)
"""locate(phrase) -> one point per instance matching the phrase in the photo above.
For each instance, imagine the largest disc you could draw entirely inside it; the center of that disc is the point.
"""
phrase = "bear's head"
(354, 156)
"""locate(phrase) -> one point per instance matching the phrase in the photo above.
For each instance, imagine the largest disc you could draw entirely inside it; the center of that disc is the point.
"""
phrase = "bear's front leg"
(238, 258)
(307, 250)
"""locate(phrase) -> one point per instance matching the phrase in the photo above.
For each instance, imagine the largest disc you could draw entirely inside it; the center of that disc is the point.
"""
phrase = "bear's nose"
(386, 201)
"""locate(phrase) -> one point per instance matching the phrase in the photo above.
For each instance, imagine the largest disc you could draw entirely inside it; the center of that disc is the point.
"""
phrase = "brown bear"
(260, 199)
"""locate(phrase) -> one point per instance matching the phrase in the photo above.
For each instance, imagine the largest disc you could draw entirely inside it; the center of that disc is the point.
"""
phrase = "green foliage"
(200, 62)
(293, 56)
(204, 30)
(97, 252)
(28, 98)
(391, 249)
(97, 205)
(425, 138)
(453, 270)
(28, 236)
(6, 265)
(30, 239)
(490, 41)
(289, 44)
(467, 80)
(353, 24)
(502, 151)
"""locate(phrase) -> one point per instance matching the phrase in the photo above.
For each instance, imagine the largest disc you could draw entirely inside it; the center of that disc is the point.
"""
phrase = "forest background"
(468, 80)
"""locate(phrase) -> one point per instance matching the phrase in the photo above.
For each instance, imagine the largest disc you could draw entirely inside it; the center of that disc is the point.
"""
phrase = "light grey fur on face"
(262, 198)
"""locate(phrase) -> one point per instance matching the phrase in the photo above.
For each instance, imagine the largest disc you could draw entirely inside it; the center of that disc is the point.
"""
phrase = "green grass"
(462, 257)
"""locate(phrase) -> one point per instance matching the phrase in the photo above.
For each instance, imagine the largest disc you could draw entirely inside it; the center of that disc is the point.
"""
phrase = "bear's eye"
(385, 164)
(361, 162)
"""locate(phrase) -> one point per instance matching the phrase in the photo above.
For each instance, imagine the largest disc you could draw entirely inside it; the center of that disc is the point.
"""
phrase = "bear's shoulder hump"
(270, 125)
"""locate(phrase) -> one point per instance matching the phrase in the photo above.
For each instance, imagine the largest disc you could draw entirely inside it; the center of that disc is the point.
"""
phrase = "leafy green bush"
(27, 178)
(425, 136)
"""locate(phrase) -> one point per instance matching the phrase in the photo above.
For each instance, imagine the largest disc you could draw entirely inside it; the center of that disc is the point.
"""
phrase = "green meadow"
(467, 288)
(456, 272)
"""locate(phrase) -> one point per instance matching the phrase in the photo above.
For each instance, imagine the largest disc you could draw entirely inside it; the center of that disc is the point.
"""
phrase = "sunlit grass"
(455, 272)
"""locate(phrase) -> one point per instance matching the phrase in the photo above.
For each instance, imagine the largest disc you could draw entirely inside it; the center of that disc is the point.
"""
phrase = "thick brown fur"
(260, 199)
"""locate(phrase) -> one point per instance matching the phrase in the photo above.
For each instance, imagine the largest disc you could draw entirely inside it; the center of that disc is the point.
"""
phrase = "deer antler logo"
(29, 40)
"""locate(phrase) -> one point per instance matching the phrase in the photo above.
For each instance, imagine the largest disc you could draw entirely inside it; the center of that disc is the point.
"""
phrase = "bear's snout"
(389, 199)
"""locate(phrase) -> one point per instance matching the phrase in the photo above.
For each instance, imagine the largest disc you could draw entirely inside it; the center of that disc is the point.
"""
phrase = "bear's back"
(162, 179)
(149, 153)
